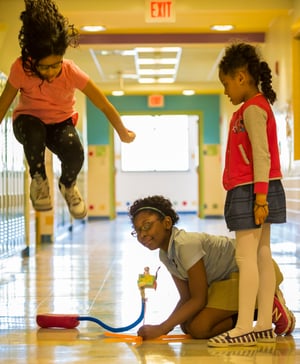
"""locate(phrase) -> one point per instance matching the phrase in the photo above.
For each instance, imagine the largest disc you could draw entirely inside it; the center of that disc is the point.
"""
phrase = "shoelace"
(72, 196)
(42, 186)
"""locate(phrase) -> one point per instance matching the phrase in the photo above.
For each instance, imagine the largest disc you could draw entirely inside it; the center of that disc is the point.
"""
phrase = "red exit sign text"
(160, 11)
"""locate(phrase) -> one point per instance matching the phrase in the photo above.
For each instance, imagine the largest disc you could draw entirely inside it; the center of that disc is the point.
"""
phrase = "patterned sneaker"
(74, 200)
(266, 336)
(293, 323)
(39, 193)
(224, 340)
(282, 318)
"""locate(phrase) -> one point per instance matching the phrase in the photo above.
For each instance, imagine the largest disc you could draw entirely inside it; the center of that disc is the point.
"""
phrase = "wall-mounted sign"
(156, 101)
(160, 11)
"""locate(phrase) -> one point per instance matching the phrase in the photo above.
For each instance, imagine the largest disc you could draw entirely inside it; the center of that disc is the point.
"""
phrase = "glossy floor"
(93, 271)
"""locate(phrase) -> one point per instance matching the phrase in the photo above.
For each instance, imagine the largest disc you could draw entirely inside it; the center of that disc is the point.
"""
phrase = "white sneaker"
(74, 200)
(39, 193)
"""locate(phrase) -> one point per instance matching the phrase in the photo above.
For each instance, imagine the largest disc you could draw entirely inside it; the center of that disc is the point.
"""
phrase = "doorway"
(163, 160)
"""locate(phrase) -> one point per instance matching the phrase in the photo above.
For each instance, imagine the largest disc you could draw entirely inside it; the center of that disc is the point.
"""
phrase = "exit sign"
(156, 101)
(160, 11)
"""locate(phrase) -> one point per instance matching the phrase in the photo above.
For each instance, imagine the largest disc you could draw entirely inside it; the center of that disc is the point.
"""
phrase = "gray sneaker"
(39, 193)
(74, 200)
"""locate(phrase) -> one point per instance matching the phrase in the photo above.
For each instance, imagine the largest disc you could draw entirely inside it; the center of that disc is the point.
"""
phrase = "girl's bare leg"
(210, 322)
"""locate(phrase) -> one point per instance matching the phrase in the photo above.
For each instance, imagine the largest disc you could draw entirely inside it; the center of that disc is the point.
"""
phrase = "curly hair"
(44, 32)
(241, 55)
(156, 204)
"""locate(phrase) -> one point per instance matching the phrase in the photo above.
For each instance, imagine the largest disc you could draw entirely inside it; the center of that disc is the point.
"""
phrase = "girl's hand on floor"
(148, 332)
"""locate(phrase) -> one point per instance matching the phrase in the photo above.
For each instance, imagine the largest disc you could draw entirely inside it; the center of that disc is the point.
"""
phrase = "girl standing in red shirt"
(255, 196)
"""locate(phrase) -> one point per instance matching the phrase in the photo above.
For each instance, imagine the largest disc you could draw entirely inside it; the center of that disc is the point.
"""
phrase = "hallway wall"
(200, 194)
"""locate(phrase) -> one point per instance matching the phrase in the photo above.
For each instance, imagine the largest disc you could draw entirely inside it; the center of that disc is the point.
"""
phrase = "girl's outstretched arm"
(98, 98)
(193, 298)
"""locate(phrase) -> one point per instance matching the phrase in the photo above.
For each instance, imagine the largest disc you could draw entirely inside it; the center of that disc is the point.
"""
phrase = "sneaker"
(282, 318)
(224, 340)
(293, 323)
(74, 200)
(39, 193)
(266, 336)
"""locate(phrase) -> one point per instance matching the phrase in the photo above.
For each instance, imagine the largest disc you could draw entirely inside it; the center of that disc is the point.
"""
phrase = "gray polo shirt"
(187, 248)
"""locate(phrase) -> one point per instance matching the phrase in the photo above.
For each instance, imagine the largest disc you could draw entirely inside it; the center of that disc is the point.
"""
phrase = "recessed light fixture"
(117, 93)
(188, 92)
(93, 28)
(222, 27)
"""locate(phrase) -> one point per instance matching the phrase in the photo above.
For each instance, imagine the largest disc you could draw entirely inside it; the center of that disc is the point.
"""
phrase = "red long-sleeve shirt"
(252, 154)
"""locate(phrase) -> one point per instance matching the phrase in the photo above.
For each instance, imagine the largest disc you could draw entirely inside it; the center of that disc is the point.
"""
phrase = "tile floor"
(93, 271)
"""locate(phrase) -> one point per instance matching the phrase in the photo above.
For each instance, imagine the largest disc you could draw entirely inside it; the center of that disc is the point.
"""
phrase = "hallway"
(93, 271)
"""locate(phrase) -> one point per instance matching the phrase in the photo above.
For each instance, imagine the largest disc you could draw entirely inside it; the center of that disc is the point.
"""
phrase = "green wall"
(207, 105)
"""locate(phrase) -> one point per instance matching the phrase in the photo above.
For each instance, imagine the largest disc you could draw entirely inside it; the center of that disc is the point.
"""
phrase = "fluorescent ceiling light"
(127, 52)
(93, 28)
(165, 80)
(157, 72)
(153, 65)
(222, 27)
(146, 80)
(159, 62)
(151, 61)
(106, 52)
(156, 80)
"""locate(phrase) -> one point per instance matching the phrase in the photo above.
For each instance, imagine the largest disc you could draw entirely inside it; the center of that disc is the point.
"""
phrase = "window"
(161, 143)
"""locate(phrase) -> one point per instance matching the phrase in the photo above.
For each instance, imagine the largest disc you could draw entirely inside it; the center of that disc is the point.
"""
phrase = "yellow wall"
(295, 33)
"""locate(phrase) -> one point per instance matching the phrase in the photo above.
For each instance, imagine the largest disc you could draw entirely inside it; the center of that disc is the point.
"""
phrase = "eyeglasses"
(46, 67)
(144, 228)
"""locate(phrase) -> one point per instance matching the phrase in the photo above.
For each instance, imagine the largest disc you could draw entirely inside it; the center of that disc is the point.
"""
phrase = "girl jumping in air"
(45, 114)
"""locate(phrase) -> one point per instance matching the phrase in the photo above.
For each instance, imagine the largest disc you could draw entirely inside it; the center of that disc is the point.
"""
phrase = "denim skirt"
(239, 205)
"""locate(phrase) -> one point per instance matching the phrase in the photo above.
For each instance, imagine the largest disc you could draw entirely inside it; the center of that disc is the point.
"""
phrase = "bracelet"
(259, 205)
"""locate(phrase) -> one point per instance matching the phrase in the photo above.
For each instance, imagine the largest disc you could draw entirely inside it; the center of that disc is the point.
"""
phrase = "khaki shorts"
(223, 295)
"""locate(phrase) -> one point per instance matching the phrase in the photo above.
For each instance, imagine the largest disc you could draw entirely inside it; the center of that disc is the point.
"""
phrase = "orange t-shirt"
(50, 102)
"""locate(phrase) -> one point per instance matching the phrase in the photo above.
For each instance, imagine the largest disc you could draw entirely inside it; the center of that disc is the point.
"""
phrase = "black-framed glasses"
(46, 67)
(144, 228)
